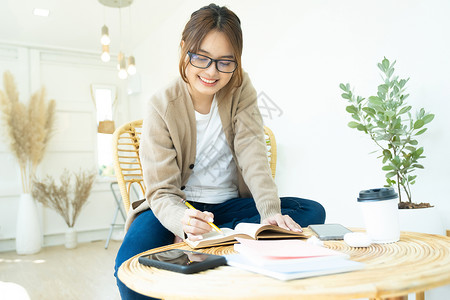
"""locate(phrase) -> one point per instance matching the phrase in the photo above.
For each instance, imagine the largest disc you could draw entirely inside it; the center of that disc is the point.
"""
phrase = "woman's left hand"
(283, 221)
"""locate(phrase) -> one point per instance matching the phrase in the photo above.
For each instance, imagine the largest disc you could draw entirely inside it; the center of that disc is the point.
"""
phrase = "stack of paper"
(289, 259)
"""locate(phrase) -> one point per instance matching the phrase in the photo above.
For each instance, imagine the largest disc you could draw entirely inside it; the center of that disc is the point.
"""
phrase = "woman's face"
(204, 83)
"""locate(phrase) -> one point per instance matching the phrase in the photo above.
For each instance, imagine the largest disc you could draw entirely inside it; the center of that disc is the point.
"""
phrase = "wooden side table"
(416, 263)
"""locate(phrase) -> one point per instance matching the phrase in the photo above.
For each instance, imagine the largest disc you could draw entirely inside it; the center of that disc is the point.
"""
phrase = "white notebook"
(295, 270)
(289, 259)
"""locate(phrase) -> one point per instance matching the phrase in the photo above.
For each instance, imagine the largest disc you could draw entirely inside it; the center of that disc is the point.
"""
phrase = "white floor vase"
(28, 230)
(71, 238)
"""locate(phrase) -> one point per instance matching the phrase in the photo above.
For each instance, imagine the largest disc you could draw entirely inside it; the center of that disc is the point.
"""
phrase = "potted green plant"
(387, 119)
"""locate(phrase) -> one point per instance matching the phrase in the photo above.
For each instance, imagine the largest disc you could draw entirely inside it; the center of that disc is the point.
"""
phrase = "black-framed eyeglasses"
(203, 62)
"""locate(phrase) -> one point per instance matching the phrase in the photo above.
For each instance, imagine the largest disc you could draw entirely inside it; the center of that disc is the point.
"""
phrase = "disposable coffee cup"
(380, 211)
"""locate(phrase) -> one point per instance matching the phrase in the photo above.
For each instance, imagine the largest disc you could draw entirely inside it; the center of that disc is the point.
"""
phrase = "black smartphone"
(182, 261)
(327, 232)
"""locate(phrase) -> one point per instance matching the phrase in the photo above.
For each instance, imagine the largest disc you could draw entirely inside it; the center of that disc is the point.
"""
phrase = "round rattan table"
(416, 263)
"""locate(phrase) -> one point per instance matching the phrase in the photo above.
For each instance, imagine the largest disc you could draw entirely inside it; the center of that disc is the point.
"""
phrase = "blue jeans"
(146, 232)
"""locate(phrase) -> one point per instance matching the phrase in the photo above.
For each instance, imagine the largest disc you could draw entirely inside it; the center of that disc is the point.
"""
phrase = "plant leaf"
(421, 131)
(375, 101)
(411, 177)
(353, 124)
(387, 153)
(383, 88)
(419, 152)
(428, 118)
(361, 127)
(346, 96)
(369, 110)
(351, 109)
(389, 113)
(404, 110)
(391, 174)
(418, 124)
(359, 99)
(385, 63)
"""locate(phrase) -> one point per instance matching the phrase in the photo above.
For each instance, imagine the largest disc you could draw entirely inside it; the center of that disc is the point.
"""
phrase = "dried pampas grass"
(65, 199)
(28, 127)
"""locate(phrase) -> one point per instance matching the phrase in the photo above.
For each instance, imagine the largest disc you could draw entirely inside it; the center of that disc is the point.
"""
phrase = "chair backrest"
(127, 164)
(271, 149)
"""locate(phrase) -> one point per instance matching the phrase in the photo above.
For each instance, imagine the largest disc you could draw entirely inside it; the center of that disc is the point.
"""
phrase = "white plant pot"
(28, 231)
(424, 220)
(71, 238)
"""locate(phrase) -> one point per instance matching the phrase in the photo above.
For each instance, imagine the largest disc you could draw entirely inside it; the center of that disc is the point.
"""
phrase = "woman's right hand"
(195, 223)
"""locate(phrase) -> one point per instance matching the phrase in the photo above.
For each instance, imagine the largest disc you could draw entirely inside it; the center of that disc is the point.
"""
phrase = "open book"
(248, 231)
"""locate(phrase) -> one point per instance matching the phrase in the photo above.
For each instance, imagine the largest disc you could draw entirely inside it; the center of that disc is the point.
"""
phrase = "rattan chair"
(127, 164)
(271, 149)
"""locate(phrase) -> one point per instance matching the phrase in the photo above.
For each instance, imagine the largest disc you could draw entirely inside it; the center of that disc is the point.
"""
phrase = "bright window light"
(104, 98)
(41, 12)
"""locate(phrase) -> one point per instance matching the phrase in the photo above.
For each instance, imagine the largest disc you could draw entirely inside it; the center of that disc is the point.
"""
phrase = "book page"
(213, 238)
(213, 235)
(250, 229)
(266, 231)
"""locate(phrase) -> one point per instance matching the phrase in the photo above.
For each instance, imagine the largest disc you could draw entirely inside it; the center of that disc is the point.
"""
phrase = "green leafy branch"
(387, 119)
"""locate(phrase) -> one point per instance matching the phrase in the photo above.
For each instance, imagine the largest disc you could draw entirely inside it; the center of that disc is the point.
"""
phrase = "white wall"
(297, 53)
(67, 76)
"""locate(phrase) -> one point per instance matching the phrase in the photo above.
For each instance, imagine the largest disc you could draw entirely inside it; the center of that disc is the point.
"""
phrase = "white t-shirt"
(213, 179)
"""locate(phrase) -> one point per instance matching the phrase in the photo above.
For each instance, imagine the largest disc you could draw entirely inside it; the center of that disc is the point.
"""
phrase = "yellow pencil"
(210, 223)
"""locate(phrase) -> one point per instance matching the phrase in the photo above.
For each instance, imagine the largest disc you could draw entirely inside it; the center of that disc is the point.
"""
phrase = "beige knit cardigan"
(168, 151)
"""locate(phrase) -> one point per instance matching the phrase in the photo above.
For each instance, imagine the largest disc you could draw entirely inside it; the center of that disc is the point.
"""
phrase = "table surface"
(416, 263)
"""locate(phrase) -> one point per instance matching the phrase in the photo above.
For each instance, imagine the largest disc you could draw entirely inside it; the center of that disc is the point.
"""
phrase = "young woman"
(203, 140)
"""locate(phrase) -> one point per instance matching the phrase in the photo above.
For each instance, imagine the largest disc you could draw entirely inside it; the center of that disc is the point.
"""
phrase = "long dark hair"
(202, 21)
